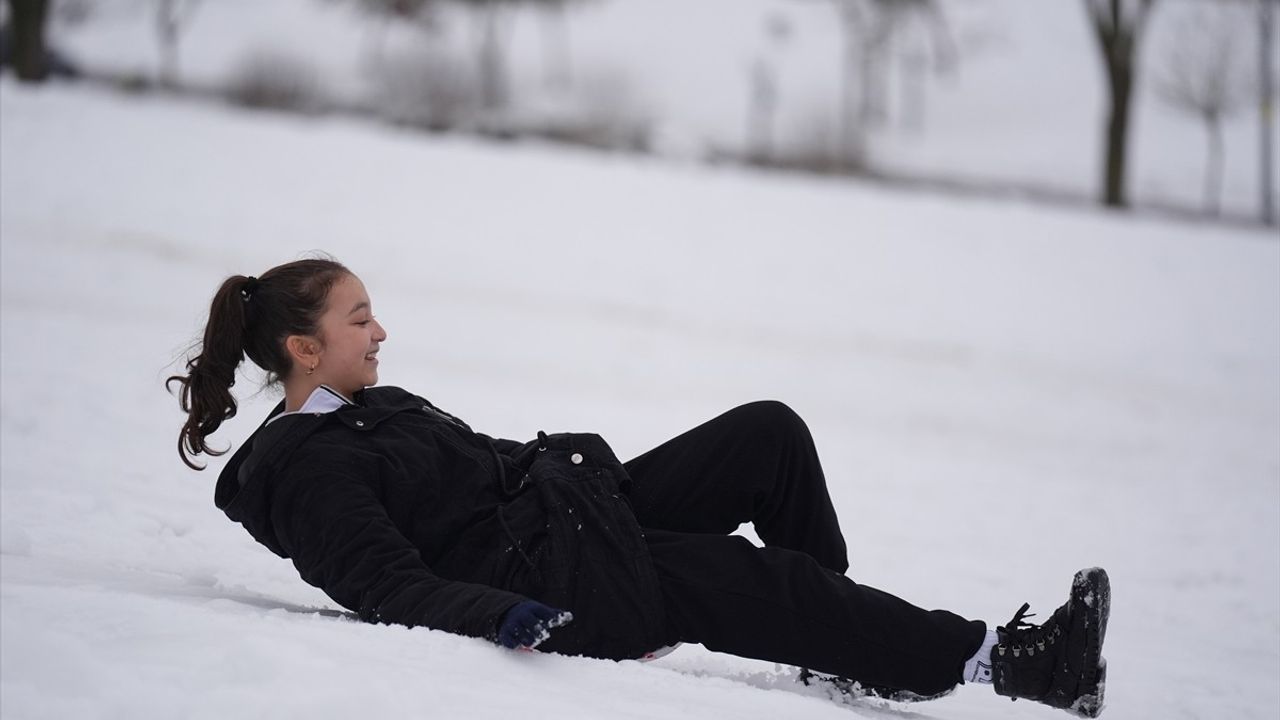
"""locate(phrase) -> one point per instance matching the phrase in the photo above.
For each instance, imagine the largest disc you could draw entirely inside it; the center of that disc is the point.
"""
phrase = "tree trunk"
(28, 18)
(375, 43)
(167, 39)
(851, 25)
(760, 112)
(1267, 107)
(867, 112)
(1118, 135)
(1117, 33)
(557, 60)
(877, 46)
(914, 67)
(492, 66)
(1213, 167)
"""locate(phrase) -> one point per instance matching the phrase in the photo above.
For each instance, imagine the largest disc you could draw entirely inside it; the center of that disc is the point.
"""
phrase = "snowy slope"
(1001, 394)
(1024, 103)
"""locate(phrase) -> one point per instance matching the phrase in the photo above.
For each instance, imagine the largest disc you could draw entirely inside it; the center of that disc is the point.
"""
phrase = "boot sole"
(1090, 705)
(1091, 589)
(855, 690)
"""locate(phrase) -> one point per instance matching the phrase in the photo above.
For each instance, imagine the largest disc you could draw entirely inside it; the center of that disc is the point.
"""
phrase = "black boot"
(1060, 662)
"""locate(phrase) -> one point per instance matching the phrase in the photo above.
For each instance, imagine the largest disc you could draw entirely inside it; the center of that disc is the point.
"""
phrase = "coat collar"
(323, 399)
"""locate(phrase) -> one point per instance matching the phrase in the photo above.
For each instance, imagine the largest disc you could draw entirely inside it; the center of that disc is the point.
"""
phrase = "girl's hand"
(529, 623)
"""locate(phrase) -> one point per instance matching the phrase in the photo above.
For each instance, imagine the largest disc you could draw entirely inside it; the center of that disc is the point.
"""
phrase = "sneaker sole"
(1092, 590)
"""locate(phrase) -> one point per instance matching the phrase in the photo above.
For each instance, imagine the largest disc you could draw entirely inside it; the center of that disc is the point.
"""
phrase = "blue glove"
(529, 623)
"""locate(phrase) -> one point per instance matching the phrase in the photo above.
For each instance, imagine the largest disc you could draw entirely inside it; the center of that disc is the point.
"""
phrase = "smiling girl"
(403, 514)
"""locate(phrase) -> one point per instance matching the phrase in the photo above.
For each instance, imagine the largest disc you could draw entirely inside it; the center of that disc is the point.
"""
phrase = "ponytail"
(248, 317)
(205, 394)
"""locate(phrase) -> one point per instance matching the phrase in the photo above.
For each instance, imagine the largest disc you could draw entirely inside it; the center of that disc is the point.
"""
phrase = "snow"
(1002, 394)
(1024, 104)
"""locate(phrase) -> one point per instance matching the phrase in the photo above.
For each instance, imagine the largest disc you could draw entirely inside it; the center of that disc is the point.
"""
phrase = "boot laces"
(1020, 636)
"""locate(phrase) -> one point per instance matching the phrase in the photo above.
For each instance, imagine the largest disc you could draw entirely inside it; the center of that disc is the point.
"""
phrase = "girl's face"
(350, 339)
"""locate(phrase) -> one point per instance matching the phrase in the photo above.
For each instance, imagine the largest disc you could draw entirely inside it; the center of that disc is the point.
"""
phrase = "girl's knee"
(772, 417)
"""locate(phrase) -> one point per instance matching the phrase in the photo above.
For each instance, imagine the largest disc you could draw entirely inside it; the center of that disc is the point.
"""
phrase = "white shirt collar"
(323, 399)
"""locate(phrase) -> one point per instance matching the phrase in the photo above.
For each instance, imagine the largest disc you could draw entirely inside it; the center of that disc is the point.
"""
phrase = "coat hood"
(244, 486)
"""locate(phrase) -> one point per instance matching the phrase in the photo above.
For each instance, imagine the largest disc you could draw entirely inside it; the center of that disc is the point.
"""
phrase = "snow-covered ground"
(1001, 394)
(1024, 102)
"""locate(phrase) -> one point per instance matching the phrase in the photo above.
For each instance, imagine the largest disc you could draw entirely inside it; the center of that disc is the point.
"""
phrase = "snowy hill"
(1022, 103)
(1001, 394)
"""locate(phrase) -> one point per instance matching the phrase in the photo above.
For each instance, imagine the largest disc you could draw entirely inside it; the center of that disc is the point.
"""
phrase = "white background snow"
(1024, 103)
(1001, 394)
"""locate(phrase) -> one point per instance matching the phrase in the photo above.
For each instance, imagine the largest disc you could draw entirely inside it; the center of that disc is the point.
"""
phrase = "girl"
(403, 514)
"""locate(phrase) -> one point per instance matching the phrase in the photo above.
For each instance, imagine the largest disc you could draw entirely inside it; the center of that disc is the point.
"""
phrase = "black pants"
(790, 601)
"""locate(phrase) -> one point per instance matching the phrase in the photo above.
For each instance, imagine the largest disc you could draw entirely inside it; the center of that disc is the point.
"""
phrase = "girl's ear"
(304, 349)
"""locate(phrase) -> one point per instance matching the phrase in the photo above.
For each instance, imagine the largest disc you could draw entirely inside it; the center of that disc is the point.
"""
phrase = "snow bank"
(1024, 102)
(1001, 394)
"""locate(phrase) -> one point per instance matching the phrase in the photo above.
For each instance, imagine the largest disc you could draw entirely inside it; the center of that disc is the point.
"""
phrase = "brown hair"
(249, 316)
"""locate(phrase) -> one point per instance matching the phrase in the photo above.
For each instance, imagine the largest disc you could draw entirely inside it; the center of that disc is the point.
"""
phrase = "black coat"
(403, 514)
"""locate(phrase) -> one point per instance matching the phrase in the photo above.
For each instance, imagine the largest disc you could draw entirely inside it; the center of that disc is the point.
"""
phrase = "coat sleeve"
(342, 541)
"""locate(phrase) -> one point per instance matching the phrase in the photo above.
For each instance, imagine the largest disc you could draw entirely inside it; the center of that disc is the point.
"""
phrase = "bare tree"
(763, 78)
(492, 20)
(30, 56)
(894, 21)
(1266, 106)
(854, 28)
(1118, 26)
(172, 19)
(1201, 75)
(426, 86)
(420, 14)
(869, 29)
(930, 47)
(558, 58)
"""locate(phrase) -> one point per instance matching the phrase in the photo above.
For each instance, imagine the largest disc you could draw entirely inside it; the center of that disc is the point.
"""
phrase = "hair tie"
(249, 287)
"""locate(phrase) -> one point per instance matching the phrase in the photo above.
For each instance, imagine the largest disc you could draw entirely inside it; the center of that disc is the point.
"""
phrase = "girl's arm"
(341, 540)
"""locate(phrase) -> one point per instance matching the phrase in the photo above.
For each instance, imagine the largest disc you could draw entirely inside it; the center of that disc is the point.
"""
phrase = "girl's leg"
(755, 463)
(780, 605)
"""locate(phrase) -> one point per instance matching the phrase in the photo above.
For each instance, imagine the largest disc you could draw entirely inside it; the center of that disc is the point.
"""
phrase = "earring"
(311, 370)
